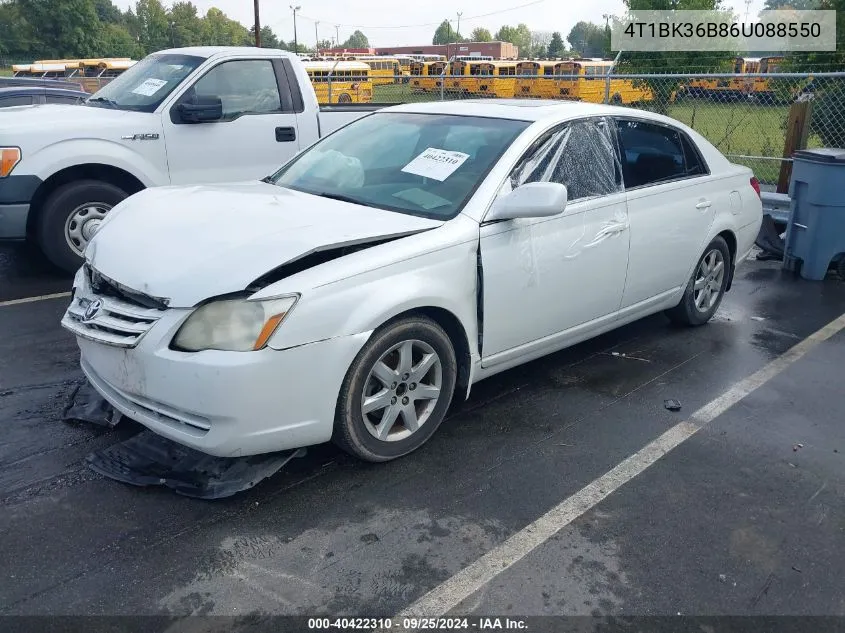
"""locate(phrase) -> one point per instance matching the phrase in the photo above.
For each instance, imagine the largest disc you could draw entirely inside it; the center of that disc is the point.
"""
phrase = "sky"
(397, 22)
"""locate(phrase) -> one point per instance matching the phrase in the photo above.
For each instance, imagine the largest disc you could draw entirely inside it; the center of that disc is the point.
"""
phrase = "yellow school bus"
(93, 74)
(483, 78)
(584, 80)
(40, 70)
(432, 81)
(419, 71)
(534, 79)
(383, 70)
(405, 62)
(340, 82)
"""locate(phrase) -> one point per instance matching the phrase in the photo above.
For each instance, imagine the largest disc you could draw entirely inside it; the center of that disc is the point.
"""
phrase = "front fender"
(444, 279)
(55, 157)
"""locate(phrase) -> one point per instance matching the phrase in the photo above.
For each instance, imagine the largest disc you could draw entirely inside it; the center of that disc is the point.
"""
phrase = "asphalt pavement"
(741, 516)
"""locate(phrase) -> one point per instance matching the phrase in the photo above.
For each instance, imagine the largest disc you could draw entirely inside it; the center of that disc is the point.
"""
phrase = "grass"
(5, 72)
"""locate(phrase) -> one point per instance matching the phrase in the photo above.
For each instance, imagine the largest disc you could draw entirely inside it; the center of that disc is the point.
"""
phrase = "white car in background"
(395, 263)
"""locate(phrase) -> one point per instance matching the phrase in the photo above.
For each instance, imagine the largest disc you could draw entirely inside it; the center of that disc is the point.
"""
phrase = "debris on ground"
(672, 405)
(797, 446)
(794, 568)
(147, 459)
(86, 405)
(723, 578)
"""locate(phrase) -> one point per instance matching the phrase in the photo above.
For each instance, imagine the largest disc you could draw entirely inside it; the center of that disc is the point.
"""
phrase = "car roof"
(531, 110)
(519, 109)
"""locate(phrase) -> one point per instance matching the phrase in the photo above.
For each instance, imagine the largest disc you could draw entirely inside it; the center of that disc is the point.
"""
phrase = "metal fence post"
(443, 85)
(607, 89)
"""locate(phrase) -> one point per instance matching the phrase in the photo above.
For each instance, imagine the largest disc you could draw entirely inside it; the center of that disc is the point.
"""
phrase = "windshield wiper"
(343, 198)
(109, 102)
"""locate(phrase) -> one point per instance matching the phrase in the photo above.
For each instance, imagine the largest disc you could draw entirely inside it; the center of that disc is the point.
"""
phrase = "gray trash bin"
(815, 234)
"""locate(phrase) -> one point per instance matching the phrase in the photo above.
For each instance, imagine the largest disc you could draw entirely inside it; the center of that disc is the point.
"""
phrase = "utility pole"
(336, 35)
(257, 25)
(316, 37)
(295, 43)
(458, 30)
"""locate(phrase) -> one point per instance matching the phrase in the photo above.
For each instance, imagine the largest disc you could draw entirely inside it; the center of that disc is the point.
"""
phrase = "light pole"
(458, 30)
(295, 43)
(316, 37)
(257, 26)
(337, 35)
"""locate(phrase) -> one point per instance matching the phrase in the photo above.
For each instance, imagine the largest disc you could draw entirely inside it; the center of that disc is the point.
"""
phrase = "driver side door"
(255, 136)
(550, 282)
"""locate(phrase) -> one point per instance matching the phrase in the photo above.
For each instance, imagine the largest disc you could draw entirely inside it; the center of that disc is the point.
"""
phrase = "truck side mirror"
(202, 109)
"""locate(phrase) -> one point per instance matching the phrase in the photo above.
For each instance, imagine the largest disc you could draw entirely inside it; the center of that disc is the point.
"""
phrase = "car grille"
(121, 317)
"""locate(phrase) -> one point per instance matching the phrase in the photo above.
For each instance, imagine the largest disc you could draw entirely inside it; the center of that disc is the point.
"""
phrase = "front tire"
(70, 217)
(396, 391)
(706, 287)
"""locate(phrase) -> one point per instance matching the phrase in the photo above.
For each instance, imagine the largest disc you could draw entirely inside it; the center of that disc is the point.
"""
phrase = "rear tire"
(69, 218)
(396, 391)
(706, 287)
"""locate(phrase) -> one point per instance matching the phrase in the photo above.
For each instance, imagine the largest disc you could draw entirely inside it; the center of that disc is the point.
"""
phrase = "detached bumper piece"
(86, 405)
(148, 459)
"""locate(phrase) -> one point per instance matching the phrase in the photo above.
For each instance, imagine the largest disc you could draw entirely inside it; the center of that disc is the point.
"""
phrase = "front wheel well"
(89, 171)
(457, 335)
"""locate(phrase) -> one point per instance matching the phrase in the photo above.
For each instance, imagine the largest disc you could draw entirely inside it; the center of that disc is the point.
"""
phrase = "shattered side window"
(580, 154)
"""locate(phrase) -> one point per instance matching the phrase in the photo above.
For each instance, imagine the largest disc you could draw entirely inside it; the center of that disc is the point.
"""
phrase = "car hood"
(187, 244)
(56, 117)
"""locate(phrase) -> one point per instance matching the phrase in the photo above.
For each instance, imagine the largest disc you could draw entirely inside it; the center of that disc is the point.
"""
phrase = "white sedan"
(403, 258)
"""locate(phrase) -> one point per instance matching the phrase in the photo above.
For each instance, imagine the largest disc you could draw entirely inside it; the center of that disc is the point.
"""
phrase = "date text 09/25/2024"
(417, 624)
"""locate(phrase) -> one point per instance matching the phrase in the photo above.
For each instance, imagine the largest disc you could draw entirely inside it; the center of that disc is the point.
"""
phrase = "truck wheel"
(397, 390)
(71, 216)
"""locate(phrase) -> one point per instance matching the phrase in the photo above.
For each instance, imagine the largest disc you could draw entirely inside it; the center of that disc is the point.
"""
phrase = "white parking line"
(14, 302)
(446, 596)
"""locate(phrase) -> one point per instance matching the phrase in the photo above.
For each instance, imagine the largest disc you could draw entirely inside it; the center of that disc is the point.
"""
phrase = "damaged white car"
(381, 272)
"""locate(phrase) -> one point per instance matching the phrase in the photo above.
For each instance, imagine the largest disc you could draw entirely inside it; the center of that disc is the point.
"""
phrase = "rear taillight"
(756, 184)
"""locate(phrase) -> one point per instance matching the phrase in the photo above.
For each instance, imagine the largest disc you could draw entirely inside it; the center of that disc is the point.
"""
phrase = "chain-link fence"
(752, 119)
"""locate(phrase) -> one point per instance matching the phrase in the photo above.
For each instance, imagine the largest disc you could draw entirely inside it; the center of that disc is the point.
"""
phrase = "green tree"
(107, 12)
(444, 34)
(356, 40)
(153, 25)
(16, 36)
(588, 39)
(185, 24)
(480, 35)
(324, 44)
(268, 38)
(62, 28)
(117, 42)
(556, 45)
(519, 35)
(220, 30)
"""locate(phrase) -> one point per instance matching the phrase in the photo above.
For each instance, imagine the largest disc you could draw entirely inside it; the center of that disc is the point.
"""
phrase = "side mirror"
(202, 110)
(531, 200)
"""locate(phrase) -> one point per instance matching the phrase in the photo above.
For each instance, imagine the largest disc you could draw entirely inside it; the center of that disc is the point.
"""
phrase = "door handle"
(704, 204)
(285, 134)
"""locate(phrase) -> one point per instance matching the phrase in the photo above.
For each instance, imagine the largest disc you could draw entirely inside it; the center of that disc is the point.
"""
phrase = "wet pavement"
(745, 517)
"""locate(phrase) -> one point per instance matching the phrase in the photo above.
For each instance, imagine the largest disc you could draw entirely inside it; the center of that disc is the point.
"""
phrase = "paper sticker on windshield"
(435, 163)
(149, 87)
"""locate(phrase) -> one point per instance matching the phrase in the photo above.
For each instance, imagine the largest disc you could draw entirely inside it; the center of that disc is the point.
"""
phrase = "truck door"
(256, 134)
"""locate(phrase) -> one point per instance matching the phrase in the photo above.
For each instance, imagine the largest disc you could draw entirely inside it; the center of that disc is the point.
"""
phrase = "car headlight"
(234, 325)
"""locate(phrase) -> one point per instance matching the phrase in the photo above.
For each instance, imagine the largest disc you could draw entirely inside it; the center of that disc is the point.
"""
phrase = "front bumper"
(16, 193)
(226, 404)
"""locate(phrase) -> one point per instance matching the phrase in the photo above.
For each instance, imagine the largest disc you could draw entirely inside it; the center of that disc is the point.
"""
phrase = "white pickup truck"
(179, 116)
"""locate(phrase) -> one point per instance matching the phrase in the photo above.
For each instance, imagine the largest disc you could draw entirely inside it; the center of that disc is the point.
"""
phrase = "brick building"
(497, 50)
